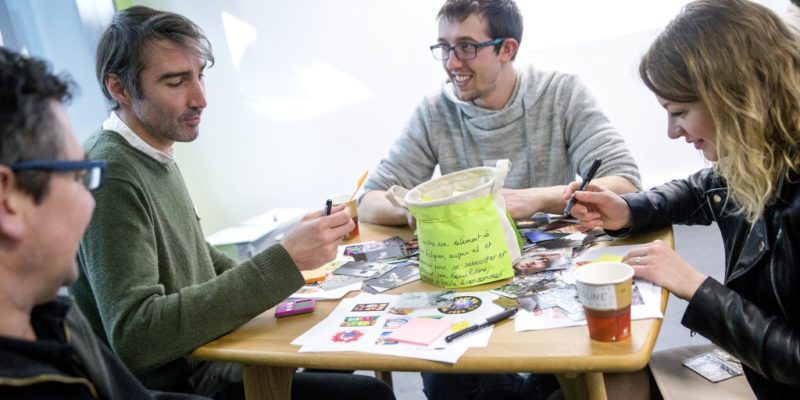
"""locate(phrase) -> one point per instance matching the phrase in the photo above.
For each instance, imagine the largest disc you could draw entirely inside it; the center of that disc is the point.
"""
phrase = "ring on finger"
(637, 260)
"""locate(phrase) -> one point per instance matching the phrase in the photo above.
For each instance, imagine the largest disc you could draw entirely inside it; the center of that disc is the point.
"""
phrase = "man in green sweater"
(152, 287)
(47, 348)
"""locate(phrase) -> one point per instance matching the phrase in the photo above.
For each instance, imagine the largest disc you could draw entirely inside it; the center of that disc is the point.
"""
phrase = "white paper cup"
(604, 288)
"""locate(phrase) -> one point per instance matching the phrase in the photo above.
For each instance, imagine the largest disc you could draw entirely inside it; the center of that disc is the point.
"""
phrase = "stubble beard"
(164, 126)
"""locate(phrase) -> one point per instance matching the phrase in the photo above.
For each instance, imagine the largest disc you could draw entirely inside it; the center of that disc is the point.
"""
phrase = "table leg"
(588, 385)
(268, 383)
(385, 376)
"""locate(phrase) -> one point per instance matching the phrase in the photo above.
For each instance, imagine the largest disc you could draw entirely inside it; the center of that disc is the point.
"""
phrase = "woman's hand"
(659, 263)
(598, 207)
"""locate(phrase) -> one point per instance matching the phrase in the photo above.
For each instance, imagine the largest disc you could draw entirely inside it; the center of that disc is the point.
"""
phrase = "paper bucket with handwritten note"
(466, 237)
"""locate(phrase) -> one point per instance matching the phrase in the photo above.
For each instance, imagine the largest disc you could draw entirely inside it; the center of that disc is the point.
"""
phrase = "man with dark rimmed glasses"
(90, 172)
(546, 123)
(47, 349)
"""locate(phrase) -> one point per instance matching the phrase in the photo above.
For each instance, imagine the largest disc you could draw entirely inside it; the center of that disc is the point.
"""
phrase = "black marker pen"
(589, 176)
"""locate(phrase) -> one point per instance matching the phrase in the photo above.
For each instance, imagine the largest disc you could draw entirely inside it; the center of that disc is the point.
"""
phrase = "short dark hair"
(121, 49)
(26, 121)
(503, 16)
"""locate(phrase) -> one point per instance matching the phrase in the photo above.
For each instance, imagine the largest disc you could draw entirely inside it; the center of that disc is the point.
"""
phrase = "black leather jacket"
(755, 315)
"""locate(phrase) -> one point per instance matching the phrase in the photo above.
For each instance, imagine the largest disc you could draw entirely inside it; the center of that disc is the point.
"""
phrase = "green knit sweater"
(150, 285)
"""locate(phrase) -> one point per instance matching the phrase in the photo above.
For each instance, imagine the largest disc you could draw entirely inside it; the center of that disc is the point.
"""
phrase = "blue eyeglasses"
(92, 179)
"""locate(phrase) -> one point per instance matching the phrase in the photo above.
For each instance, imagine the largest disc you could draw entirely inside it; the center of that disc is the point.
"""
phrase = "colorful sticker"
(462, 305)
(383, 341)
(367, 320)
(371, 307)
(347, 336)
(459, 326)
(394, 323)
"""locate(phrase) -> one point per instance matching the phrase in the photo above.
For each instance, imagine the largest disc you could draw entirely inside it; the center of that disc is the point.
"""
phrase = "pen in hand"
(328, 205)
(589, 176)
(489, 322)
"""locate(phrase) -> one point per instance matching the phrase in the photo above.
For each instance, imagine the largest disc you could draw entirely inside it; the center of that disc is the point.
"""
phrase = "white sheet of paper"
(315, 292)
(328, 335)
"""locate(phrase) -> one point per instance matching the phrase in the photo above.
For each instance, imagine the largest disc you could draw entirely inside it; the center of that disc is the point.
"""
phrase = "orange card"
(314, 275)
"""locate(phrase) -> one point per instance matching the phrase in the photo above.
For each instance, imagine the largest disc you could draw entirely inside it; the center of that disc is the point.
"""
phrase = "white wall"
(65, 34)
(307, 94)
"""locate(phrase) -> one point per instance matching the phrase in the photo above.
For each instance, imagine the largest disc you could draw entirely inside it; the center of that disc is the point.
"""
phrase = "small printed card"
(417, 300)
(363, 269)
(715, 366)
(401, 274)
(539, 236)
(334, 282)
(393, 247)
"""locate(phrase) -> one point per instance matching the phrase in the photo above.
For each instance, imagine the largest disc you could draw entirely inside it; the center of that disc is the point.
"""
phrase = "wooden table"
(269, 361)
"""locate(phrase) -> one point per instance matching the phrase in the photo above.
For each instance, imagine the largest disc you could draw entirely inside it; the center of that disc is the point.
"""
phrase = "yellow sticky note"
(608, 258)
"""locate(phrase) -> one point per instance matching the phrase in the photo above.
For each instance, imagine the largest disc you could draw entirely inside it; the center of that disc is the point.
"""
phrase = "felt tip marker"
(586, 179)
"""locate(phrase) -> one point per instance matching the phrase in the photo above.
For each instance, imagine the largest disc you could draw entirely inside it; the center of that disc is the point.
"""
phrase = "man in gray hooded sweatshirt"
(546, 123)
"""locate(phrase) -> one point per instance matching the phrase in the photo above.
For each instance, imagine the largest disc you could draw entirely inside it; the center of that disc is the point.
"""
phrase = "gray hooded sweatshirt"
(551, 129)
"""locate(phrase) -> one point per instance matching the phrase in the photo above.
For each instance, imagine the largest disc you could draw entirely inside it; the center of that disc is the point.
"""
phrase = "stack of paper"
(367, 323)
(646, 302)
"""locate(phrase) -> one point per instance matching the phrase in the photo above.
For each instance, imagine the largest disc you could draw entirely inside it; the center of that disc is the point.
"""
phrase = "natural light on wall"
(239, 35)
(322, 88)
(551, 24)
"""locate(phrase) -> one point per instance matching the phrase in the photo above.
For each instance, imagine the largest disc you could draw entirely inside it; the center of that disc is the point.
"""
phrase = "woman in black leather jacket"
(728, 75)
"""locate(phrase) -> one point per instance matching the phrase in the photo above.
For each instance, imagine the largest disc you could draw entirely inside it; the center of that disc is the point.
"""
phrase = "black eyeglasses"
(94, 169)
(464, 51)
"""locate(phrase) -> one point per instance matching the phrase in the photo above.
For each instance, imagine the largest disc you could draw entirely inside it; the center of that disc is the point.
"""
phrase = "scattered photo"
(715, 366)
(417, 300)
(524, 285)
(539, 236)
(377, 250)
(530, 264)
(528, 303)
(564, 297)
(401, 274)
(363, 269)
(336, 281)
